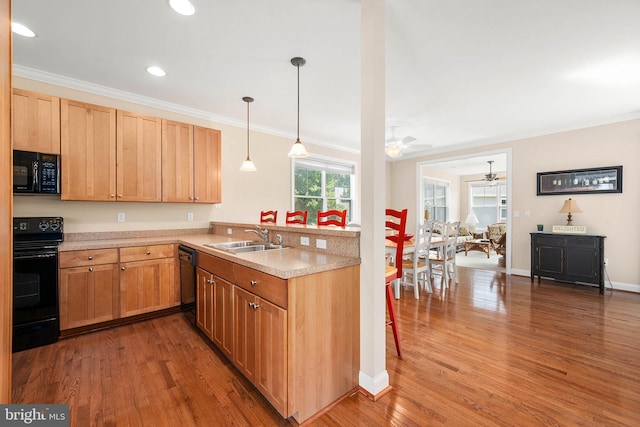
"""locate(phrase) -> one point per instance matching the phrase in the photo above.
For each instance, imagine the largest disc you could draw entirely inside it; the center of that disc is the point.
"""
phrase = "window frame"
(352, 213)
(436, 182)
(501, 209)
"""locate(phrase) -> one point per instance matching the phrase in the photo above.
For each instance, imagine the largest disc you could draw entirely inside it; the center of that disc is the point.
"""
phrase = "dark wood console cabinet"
(568, 257)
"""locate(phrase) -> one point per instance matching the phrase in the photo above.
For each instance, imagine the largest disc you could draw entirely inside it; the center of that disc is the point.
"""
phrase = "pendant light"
(298, 150)
(247, 165)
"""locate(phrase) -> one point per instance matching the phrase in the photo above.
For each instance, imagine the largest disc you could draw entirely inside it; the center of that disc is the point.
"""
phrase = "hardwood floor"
(491, 351)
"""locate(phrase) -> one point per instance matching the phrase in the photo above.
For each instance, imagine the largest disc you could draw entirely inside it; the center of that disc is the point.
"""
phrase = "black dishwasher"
(187, 258)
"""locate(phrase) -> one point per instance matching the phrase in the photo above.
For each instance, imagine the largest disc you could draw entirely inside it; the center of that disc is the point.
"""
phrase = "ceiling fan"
(490, 177)
(394, 146)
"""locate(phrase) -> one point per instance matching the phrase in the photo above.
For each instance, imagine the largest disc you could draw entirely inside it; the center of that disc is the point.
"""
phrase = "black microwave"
(36, 173)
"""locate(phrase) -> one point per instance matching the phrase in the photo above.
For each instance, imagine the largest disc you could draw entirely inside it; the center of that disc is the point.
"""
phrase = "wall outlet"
(606, 261)
(120, 216)
(229, 230)
(516, 214)
(190, 216)
(217, 205)
(321, 244)
(304, 241)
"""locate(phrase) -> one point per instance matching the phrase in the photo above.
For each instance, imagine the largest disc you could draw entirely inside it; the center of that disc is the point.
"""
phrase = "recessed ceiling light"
(156, 71)
(22, 30)
(183, 7)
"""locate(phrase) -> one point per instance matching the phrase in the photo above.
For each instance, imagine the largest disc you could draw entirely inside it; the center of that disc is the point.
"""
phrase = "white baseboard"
(374, 385)
(618, 286)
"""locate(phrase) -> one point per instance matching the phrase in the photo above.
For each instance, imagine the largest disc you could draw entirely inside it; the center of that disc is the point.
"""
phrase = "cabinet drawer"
(141, 253)
(215, 265)
(264, 285)
(90, 257)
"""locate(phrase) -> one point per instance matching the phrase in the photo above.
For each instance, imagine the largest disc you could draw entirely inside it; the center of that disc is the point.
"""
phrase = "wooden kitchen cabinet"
(260, 345)
(207, 165)
(88, 151)
(88, 287)
(223, 316)
(147, 279)
(139, 157)
(204, 301)
(36, 122)
(177, 162)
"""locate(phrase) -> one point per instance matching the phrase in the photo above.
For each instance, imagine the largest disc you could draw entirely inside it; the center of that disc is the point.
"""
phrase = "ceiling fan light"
(393, 150)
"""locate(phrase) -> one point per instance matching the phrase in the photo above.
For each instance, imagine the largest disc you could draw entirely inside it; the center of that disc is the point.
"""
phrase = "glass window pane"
(308, 182)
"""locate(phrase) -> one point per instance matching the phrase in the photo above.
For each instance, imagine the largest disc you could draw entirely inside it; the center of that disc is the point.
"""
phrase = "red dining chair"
(332, 217)
(297, 217)
(269, 216)
(397, 222)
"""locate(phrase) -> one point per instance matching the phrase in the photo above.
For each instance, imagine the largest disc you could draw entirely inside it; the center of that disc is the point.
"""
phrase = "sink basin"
(242, 247)
(230, 245)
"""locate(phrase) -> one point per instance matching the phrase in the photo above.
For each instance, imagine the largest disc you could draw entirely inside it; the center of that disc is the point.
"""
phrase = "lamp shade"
(570, 206)
(472, 219)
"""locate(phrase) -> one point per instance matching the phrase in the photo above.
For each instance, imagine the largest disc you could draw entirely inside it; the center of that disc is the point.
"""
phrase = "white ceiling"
(459, 72)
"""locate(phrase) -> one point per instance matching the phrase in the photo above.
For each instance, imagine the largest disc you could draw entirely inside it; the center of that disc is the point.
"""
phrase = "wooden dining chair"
(297, 217)
(332, 217)
(417, 266)
(396, 221)
(269, 216)
(443, 262)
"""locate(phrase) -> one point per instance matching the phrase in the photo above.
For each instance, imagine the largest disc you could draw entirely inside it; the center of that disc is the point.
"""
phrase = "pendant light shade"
(298, 150)
(247, 165)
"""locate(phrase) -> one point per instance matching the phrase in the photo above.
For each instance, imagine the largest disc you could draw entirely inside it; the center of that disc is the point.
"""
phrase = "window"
(488, 202)
(321, 184)
(435, 199)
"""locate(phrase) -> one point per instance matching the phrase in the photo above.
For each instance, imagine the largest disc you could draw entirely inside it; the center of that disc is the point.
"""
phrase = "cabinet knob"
(112, 195)
(253, 282)
(122, 268)
(90, 268)
(196, 198)
(120, 195)
(148, 252)
(90, 257)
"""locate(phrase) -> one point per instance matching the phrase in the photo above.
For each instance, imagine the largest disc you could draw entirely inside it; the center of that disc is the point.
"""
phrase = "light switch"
(527, 214)
(304, 241)
(321, 244)
(516, 214)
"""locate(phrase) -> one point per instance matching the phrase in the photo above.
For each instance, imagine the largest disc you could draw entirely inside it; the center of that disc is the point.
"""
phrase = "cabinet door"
(88, 151)
(204, 301)
(550, 260)
(207, 165)
(244, 333)
(177, 162)
(146, 286)
(88, 295)
(139, 157)
(271, 353)
(222, 316)
(36, 122)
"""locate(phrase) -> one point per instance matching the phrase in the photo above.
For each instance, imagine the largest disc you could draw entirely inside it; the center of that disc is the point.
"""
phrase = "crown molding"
(67, 82)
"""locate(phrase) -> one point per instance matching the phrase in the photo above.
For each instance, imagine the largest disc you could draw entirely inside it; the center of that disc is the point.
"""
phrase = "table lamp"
(471, 221)
(570, 206)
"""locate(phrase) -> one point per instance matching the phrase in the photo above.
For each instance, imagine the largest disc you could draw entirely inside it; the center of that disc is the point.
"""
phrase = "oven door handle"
(35, 256)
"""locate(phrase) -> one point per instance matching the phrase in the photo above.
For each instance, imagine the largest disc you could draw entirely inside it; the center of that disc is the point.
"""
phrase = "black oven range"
(35, 281)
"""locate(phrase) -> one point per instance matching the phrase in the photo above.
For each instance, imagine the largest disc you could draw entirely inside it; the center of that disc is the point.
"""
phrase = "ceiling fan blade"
(408, 139)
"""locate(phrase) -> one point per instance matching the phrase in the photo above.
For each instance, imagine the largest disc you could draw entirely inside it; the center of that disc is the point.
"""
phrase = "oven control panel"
(38, 225)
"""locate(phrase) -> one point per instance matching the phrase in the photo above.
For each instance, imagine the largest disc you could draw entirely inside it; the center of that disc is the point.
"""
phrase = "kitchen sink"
(242, 247)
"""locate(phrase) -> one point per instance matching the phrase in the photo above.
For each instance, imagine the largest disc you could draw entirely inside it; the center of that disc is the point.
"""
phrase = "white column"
(373, 374)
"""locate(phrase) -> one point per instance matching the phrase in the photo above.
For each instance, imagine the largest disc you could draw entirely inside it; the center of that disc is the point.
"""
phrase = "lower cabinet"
(296, 340)
(204, 298)
(105, 284)
(88, 287)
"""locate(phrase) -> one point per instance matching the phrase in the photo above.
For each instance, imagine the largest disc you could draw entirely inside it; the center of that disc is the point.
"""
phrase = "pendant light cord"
(247, 130)
(298, 67)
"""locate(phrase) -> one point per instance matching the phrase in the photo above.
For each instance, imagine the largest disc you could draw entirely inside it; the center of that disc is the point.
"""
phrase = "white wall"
(244, 194)
(613, 215)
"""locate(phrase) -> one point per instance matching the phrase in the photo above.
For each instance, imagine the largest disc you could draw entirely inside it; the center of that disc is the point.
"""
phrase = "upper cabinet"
(139, 157)
(190, 163)
(177, 162)
(36, 122)
(88, 151)
(207, 165)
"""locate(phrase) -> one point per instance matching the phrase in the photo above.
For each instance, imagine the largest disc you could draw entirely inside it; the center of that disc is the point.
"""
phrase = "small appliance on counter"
(35, 281)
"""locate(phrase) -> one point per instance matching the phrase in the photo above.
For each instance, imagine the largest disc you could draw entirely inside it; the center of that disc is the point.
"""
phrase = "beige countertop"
(284, 263)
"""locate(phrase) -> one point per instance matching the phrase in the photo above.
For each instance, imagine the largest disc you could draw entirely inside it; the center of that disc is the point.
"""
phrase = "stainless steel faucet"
(263, 233)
